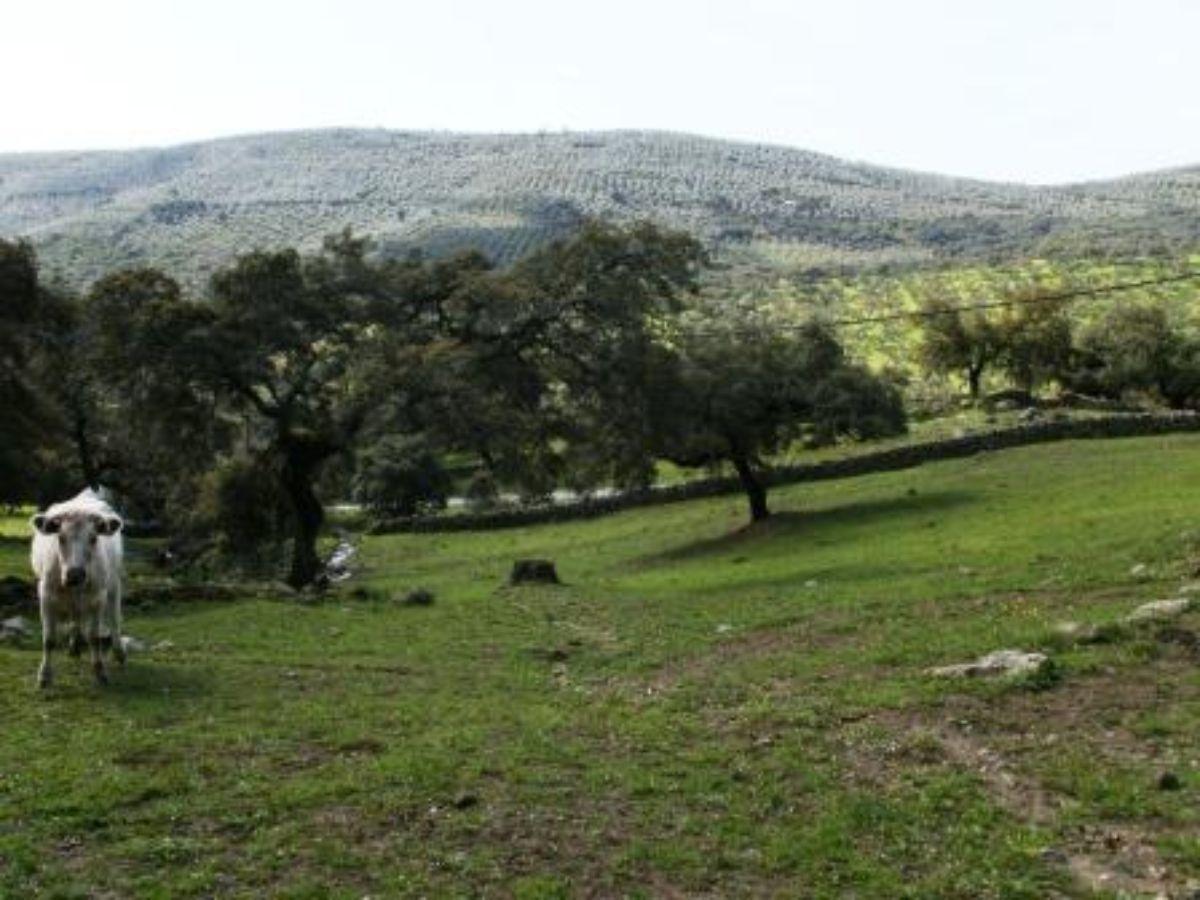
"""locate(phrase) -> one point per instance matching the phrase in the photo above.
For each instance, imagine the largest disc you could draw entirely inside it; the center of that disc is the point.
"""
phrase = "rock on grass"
(998, 662)
(419, 597)
(15, 628)
(1158, 610)
(533, 571)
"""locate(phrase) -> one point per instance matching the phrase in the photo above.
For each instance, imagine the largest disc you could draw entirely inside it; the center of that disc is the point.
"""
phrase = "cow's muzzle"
(75, 577)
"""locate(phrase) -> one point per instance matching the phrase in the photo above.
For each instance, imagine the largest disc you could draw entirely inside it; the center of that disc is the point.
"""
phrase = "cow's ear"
(45, 524)
(110, 525)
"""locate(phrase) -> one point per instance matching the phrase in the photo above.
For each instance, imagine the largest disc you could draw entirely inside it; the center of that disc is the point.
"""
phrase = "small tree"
(239, 502)
(737, 391)
(1036, 341)
(25, 424)
(399, 475)
(1029, 340)
(128, 404)
(1137, 348)
(954, 341)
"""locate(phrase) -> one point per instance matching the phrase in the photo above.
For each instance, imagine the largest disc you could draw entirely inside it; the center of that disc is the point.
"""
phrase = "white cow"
(77, 553)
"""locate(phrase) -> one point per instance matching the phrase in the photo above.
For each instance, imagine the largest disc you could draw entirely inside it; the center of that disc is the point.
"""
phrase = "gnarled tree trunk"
(974, 379)
(302, 460)
(753, 485)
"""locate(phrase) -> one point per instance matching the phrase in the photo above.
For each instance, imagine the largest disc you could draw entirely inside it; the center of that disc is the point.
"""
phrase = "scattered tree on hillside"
(735, 391)
(1030, 340)
(283, 336)
(399, 475)
(591, 315)
(117, 368)
(1036, 341)
(24, 422)
(1136, 348)
(542, 370)
(574, 370)
(965, 343)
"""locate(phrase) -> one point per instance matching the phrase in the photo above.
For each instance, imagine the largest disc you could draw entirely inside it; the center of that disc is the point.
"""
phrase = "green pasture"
(700, 710)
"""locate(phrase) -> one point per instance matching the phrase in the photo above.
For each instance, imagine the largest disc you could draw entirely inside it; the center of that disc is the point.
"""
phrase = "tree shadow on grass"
(792, 525)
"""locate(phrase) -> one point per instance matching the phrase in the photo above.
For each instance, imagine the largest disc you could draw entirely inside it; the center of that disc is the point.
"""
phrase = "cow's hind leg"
(114, 623)
(45, 672)
(93, 636)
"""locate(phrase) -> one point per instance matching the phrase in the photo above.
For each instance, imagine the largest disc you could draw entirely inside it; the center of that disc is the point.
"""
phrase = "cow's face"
(75, 536)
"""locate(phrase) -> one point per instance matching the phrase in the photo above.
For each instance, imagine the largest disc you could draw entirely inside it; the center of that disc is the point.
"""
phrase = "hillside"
(189, 208)
(700, 711)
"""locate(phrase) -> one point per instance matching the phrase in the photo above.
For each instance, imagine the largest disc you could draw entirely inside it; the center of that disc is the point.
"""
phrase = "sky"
(1039, 91)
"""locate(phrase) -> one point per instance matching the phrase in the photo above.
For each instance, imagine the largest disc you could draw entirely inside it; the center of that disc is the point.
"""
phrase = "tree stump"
(533, 571)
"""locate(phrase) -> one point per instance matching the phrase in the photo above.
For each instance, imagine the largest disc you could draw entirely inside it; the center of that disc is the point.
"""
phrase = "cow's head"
(75, 537)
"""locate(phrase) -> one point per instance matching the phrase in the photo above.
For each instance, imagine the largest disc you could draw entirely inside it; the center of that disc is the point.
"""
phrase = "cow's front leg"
(46, 608)
(114, 623)
(93, 637)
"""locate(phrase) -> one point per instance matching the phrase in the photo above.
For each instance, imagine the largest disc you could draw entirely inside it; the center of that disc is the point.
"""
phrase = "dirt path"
(1108, 859)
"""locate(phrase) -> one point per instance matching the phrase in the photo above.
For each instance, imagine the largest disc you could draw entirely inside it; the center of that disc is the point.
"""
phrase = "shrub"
(399, 475)
(1139, 349)
(242, 505)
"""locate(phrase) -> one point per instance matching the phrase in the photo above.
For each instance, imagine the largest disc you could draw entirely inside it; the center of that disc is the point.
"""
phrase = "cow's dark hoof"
(45, 677)
(101, 675)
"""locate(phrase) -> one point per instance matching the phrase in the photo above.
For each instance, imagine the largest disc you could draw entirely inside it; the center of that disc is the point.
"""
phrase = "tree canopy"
(736, 390)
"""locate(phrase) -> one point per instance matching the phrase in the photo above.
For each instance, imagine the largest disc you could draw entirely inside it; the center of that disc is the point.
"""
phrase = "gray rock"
(1079, 632)
(533, 570)
(998, 662)
(338, 568)
(1141, 570)
(132, 645)
(17, 626)
(419, 597)
(1159, 610)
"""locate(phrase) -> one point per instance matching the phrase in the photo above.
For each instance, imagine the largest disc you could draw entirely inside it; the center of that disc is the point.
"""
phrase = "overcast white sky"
(1026, 90)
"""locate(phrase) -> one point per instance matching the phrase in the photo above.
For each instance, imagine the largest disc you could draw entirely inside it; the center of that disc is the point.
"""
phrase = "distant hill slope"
(189, 208)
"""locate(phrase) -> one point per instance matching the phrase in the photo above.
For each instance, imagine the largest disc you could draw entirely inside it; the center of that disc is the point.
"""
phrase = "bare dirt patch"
(813, 634)
(721, 654)
(1001, 739)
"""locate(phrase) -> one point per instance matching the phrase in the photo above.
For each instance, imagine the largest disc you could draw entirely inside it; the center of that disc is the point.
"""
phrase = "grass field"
(701, 710)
